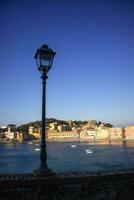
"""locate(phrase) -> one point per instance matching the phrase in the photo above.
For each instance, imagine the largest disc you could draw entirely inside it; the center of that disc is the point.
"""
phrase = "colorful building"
(61, 135)
(52, 126)
(62, 128)
(116, 133)
(91, 133)
(11, 132)
(102, 133)
(129, 133)
(34, 132)
(84, 135)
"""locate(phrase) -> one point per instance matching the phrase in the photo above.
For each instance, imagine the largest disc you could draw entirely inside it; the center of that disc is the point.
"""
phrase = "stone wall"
(100, 186)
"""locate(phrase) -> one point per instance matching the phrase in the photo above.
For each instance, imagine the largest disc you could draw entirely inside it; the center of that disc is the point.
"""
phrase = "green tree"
(108, 125)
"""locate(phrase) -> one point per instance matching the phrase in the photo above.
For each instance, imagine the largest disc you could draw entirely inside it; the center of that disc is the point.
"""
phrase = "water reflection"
(123, 143)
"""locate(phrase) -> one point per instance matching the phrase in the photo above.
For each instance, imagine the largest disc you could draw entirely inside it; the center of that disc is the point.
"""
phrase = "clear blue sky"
(93, 71)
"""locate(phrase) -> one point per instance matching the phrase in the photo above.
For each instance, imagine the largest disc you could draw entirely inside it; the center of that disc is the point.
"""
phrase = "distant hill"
(37, 124)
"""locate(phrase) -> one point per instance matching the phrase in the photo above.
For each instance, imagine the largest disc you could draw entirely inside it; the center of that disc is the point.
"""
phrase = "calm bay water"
(65, 157)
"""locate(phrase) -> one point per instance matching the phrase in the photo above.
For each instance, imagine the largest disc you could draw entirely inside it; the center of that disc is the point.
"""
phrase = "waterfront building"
(34, 132)
(3, 129)
(106, 133)
(84, 135)
(19, 136)
(37, 134)
(102, 133)
(22, 136)
(74, 129)
(129, 133)
(10, 135)
(62, 135)
(52, 126)
(11, 132)
(64, 127)
(31, 130)
(11, 127)
(2, 135)
(92, 133)
(116, 133)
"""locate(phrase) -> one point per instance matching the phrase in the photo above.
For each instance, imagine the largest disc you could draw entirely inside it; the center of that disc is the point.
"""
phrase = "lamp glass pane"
(45, 63)
(38, 60)
(46, 58)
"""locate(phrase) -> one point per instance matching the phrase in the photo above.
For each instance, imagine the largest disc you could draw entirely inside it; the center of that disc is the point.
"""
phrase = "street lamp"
(44, 58)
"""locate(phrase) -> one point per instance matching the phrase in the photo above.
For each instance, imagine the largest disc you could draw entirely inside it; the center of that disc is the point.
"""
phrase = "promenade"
(69, 186)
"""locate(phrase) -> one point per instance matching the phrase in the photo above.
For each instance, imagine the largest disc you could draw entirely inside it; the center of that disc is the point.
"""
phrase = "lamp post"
(44, 58)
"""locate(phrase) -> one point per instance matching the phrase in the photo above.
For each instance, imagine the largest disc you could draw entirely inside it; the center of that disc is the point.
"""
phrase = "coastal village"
(69, 130)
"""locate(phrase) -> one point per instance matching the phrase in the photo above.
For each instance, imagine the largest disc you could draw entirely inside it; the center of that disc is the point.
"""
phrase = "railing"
(32, 176)
(8, 177)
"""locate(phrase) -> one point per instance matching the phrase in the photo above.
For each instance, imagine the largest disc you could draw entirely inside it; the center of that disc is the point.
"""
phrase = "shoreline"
(111, 142)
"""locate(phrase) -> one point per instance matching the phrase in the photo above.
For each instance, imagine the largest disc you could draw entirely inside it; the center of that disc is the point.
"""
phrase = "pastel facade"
(95, 134)
(52, 126)
(129, 133)
(20, 136)
(102, 133)
(34, 132)
(11, 132)
(61, 128)
(84, 135)
(10, 135)
(92, 133)
(31, 130)
(61, 135)
(116, 133)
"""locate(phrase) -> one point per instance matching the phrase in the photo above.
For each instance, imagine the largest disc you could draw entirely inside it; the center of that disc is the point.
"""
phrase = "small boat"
(30, 143)
(89, 151)
(73, 145)
(37, 149)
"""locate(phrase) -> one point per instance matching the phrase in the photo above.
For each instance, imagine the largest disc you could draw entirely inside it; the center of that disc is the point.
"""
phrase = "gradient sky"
(93, 71)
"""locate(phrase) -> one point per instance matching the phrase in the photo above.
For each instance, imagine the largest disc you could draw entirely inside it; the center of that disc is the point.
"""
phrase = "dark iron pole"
(43, 154)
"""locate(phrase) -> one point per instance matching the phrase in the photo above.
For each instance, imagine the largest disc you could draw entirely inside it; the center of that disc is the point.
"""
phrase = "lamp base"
(46, 172)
